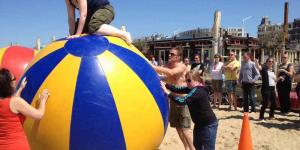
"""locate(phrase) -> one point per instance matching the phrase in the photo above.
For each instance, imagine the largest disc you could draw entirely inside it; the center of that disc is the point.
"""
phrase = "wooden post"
(123, 28)
(38, 44)
(53, 38)
(262, 56)
(240, 55)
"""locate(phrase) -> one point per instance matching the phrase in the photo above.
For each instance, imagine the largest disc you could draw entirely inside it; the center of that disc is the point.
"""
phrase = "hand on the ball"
(163, 86)
(23, 83)
(73, 36)
(44, 95)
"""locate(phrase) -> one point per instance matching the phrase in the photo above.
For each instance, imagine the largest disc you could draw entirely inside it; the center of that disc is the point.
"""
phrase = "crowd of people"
(184, 83)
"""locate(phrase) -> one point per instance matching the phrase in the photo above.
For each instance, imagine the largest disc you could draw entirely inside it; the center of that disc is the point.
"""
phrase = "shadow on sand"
(279, 123)
(240, 117)
(292, 125)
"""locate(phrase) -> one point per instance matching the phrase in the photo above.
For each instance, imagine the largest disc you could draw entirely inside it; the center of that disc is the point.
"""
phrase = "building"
(202, 45)
(293, 43)
(266, 27)
(207, 32)
(199, 32)
(237, 31)
(294, 31)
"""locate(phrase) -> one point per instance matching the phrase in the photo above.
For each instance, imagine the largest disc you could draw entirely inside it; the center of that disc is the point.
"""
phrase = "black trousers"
(268, 94)
(248, 93)
(284, 96)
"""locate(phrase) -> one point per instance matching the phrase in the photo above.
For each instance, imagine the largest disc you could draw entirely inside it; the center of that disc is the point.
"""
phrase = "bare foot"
(127, 38)
(229, 108)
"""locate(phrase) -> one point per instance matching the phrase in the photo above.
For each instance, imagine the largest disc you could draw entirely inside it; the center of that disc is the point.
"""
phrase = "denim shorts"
(230, 86)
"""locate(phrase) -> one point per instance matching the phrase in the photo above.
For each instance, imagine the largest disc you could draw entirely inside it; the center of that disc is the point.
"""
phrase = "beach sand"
(282, 133)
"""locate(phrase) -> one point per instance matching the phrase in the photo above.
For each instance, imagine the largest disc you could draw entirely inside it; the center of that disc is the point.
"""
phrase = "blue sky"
(22, 21)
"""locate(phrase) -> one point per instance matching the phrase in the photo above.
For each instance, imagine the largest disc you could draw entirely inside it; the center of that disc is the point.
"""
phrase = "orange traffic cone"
(246, 139)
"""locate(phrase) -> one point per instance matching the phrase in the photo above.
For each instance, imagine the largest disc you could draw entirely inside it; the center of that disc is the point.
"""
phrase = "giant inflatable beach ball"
(16, 59)
(104, 95)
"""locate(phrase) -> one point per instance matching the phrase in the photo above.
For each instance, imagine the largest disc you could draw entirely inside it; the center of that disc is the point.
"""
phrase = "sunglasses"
(13, 79)
(188, 80)
(172, 54)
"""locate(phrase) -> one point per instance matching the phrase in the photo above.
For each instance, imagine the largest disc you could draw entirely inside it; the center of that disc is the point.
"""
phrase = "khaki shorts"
(217, 85)
(179, 116)
(102, 16)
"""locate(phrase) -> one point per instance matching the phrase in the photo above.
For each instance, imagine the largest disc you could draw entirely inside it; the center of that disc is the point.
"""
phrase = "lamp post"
(243, 28)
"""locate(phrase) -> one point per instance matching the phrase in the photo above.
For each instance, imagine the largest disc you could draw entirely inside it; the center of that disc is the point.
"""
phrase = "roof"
(182, 38)
(190, 38)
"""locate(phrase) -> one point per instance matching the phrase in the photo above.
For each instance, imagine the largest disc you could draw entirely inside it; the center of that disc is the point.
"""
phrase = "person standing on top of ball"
(94, 17)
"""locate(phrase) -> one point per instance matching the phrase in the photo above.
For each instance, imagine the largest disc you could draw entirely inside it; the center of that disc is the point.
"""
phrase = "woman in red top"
(12, 135)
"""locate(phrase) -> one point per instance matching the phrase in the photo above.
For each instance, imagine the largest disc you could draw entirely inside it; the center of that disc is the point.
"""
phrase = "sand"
(282, 133)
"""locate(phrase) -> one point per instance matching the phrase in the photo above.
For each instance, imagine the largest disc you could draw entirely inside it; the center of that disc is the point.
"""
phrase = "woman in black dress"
(284, 84)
